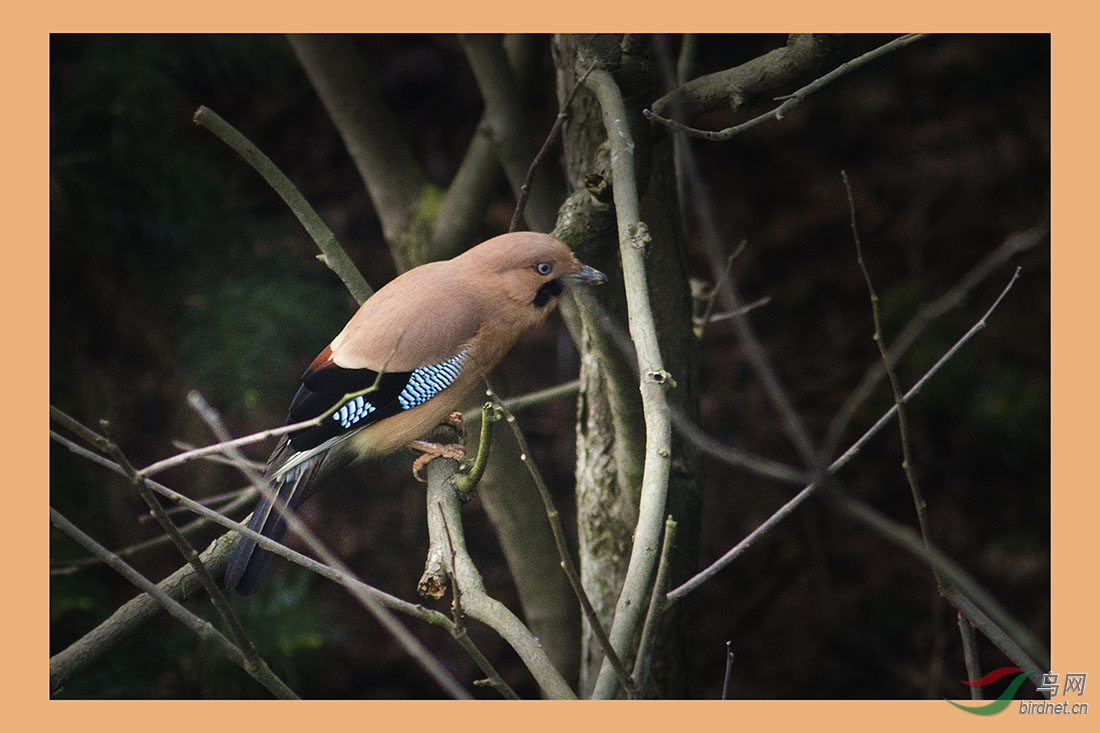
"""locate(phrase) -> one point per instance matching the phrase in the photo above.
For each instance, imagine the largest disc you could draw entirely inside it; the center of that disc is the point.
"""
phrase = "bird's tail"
(249, 563)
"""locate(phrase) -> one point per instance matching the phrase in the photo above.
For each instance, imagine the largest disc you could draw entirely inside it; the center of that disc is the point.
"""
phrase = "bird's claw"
(430, 451)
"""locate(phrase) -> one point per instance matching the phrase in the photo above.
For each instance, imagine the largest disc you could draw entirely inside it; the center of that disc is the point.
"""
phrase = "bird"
(403, 363)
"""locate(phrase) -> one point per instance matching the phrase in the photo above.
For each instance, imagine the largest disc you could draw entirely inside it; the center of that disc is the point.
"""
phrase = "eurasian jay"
(408, 357)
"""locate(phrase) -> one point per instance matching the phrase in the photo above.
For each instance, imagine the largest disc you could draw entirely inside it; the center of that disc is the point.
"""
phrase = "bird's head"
(532, 268)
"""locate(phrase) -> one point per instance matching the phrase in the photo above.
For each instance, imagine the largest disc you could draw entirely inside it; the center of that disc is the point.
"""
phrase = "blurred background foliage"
(173, 267)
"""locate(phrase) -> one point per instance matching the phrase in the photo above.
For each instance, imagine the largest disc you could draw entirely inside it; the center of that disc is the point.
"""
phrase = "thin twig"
(217, 598)
(465, 483)
(920, 506)
(726, 288)
(784, 511)
(734, 456)
(66, 663)
(927, 314)
(726, 315)
(241, 500)
(506, 124)
(729, 671)
(456, 588)
(181, 585)
(684, 424)
(907, 466)
(984, 611)
(266, 543)
(657, 606)
(551, 138)
(705, 318)
(970, 653)
(229, 446)
(542, 396)
(567, 565)
(732, 302)
(222, 447)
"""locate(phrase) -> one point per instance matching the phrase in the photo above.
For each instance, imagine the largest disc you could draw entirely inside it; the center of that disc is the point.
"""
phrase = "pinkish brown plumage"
(408, 357)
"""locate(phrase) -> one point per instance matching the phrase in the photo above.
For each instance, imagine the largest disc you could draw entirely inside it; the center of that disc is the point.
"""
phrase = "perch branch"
(447, 537)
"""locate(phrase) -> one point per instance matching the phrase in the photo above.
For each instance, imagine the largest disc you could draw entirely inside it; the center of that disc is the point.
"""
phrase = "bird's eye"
(544, 268)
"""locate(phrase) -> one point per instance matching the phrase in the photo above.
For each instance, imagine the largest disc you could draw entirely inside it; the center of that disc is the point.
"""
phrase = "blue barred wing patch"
(428, 381)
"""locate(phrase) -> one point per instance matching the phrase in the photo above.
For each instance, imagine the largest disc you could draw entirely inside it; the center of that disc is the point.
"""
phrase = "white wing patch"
(353, 411)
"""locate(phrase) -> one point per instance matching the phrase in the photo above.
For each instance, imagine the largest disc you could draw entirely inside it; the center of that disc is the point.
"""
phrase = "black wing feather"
(249, 562)
(326, 388)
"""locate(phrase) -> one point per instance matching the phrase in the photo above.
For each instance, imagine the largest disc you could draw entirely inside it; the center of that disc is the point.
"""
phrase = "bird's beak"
(588, 276)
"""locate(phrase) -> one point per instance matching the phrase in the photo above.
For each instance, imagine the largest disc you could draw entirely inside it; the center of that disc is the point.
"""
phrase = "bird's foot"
(430, 451)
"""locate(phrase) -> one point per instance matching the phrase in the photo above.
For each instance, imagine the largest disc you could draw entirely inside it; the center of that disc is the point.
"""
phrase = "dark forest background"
(174, 268)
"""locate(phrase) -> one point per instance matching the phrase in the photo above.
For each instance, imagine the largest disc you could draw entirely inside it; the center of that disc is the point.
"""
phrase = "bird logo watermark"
(1074, 683)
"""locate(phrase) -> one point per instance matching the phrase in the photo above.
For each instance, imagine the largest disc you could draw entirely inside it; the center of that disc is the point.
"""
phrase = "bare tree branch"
(737, 86)
(551, 138)
(1012, 245)
(470, 191)
(332, 254)
(374, 139)
(984, 611)
(184, 583)
(777, 71)
(209, 583)
(566, 560)
(633, 241)
(506, 124)
(63, 667)
(783, 512)
(658, 604)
